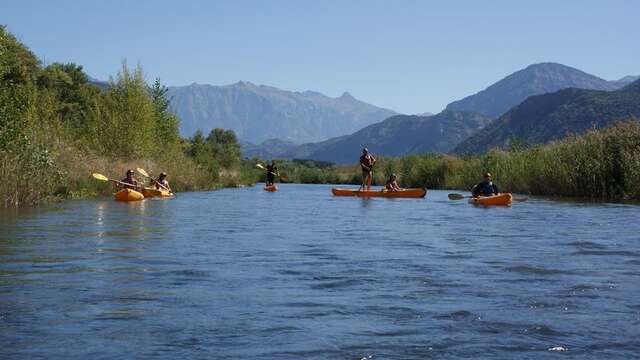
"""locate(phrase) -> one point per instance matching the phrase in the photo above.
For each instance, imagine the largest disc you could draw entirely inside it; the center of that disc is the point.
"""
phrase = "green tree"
(167, 132)
(225, 147)
(123, 123)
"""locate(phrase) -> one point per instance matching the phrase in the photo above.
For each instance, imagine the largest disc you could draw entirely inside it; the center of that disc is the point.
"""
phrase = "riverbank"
(599, 165)
(58, 127)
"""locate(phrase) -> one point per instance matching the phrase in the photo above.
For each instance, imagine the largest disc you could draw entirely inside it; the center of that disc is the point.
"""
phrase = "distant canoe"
(404, 193)
(271, 188)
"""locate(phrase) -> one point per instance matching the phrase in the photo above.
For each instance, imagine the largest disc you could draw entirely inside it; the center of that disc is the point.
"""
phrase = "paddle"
(145, 174)
(274, 174)
(460, 197)
(104, 178)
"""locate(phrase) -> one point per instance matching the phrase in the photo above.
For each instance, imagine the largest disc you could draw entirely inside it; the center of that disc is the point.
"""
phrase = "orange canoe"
(404, 193)
(271, 188)
(128, 195)
(500, 199)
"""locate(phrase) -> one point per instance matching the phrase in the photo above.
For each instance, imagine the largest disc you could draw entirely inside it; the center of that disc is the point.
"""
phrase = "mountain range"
(397, 135)
(541, 102)
(533, 80)
(543, 118)
(257, 112)
(400, 135)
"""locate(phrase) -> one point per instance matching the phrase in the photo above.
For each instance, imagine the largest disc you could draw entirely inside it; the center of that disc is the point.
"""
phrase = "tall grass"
(601, 164)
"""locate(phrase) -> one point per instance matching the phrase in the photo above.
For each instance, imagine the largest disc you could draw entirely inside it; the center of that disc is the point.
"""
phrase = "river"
(300, 274)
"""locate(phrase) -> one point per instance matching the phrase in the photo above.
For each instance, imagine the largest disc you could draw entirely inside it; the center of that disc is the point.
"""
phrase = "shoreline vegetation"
(56, 128)
(598, 165)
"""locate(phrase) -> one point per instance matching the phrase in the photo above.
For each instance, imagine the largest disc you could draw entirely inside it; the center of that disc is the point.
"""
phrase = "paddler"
(366, 163)
(485, 188)
(161, 183)
(392, 183)
(272, 171)
(131, 182)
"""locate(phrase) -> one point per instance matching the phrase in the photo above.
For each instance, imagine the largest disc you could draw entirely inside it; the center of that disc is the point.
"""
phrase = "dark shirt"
(131, 181)
(271, 171)
(485, 188)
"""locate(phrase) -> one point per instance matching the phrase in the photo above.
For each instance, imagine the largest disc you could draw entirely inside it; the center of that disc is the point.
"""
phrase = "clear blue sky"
(410, 56)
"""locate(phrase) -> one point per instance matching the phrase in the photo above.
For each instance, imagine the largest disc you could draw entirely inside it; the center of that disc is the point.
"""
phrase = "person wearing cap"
(130, 181)
(366, 163)
(485, 188)
(392, 183)
(162, 182)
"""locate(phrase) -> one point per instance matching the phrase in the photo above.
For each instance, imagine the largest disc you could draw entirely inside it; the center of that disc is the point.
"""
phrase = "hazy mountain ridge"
(533, 80)
(395, 136)
(257, 112)
(544, 118)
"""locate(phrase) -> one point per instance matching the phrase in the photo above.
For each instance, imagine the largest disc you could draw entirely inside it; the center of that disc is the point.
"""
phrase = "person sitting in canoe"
(392, 183)
(366, 163)
(272, 171)
(161, 183)
(130, 180)
(485, 188)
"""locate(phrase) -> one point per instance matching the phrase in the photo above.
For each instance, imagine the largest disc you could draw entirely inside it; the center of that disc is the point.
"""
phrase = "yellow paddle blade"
(142, 172)
(100, 177)
(260, 166)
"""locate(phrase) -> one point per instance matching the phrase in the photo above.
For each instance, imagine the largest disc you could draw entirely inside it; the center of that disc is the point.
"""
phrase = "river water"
(299, 274)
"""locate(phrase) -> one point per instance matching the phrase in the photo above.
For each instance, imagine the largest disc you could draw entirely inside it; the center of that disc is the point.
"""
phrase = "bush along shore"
(600, 164)
(56, 128)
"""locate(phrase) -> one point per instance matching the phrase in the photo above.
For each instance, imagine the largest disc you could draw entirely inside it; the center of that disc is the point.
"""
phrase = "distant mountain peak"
(244, 84)
(549, 65)
(628, 79)
(346, 96)
(260, 112)
(535, 79)
(543, 118)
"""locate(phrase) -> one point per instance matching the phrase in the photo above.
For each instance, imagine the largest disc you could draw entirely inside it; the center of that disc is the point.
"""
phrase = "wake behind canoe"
(404, 193)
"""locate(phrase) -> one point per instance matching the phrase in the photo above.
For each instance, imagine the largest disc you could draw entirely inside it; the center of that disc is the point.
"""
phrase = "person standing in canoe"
(131, 182)
(366, 163)
(161, 183)
(392, 183)
(485, 188)
(272, 171)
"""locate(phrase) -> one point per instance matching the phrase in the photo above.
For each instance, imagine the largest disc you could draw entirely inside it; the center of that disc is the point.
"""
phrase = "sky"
(409, 56)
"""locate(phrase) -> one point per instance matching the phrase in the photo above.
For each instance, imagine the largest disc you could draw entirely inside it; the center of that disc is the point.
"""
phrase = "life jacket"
(485, 188)
(133, 182)
(366, 160)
